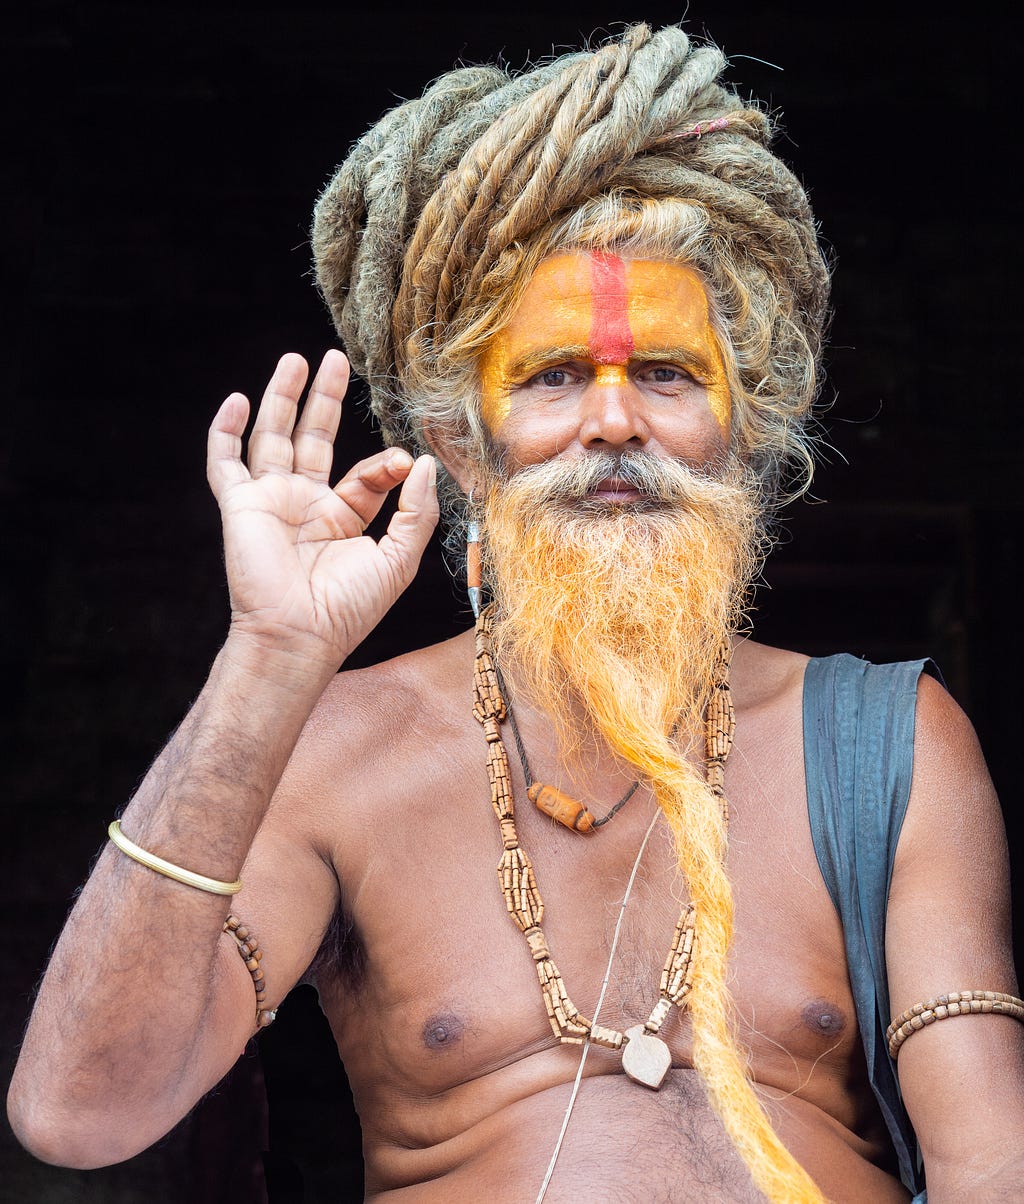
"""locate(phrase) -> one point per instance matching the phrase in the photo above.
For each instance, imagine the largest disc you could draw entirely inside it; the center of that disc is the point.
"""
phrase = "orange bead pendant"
(569, 812)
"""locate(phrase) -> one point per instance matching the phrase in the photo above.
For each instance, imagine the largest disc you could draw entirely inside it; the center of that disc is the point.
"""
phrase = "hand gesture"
(303, 578)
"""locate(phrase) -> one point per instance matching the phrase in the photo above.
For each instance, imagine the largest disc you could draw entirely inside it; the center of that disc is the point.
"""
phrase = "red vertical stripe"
(611, 340)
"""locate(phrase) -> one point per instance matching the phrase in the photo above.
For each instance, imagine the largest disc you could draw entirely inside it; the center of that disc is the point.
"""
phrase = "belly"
(623, 1143)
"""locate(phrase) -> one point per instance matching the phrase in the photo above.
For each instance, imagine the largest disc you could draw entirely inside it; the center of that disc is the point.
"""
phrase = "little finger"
(224, 466)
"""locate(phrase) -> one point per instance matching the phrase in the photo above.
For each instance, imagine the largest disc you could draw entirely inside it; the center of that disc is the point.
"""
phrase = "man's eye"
(554, 378)
(663, 374)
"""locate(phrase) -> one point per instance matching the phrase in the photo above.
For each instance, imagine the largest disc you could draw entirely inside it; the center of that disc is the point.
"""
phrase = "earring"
(474, 562)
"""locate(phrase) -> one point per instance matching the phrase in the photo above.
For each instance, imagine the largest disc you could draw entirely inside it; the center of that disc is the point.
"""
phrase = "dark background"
(161, 165)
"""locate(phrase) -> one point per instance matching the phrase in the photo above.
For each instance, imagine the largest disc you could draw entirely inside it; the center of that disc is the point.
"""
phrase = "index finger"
(318, 425)
(365, 486)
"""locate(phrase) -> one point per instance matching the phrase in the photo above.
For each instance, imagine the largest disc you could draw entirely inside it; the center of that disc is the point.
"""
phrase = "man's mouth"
(615, 490)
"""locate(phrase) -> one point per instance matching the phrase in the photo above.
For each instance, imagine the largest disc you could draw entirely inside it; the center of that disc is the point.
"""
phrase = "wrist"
(300, 669)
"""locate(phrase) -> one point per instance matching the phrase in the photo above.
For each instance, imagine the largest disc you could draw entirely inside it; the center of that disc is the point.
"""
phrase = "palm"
(300, 570)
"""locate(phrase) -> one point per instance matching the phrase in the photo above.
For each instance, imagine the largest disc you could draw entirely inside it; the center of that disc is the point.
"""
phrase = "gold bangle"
(150, 860)
(945, 1007)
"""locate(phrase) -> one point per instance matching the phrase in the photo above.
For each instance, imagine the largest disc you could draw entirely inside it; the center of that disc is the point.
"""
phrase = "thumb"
(413, 522)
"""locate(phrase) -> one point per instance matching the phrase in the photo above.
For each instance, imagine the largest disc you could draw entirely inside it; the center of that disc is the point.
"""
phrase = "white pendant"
(646, 1059)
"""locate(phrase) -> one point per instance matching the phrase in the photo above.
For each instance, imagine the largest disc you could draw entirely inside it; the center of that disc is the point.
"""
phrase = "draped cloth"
(859, 758)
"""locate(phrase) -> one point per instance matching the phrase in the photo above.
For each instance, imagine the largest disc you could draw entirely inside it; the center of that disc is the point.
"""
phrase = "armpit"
(342, 953)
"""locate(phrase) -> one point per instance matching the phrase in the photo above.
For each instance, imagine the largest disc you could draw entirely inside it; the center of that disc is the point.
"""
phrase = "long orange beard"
(611, 619)
(614, 615)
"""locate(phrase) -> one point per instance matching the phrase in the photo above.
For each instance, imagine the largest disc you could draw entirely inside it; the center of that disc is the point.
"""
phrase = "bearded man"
(591, 300)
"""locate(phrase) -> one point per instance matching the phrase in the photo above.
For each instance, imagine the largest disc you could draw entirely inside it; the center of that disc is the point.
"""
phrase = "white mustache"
(667, 481)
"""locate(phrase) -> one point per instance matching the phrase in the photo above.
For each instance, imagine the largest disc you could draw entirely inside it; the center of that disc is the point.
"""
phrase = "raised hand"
(303, 578)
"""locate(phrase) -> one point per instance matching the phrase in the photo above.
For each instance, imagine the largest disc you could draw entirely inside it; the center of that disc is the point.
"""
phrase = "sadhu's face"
(608, 354)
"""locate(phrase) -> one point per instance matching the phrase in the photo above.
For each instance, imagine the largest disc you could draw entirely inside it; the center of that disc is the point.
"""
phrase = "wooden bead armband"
(944, 1007)
(252, 955)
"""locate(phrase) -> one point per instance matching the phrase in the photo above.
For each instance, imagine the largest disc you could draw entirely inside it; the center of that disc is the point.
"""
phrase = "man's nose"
(613, 411)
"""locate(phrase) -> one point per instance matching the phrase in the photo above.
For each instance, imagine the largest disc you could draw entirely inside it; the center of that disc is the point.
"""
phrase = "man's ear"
(467, 472)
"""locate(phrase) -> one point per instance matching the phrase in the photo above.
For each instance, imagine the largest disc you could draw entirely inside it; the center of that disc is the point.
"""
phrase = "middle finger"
(270, 445)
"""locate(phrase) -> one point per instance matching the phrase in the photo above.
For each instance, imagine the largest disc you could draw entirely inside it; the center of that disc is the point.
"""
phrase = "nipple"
(824, 1018)
(442, 1031)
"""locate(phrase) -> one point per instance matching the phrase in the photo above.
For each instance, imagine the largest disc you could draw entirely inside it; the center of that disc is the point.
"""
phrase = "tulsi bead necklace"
(646, 1058)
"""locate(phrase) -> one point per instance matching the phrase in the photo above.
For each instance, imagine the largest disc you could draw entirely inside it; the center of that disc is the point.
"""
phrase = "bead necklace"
(646, 1058)
(555, 803)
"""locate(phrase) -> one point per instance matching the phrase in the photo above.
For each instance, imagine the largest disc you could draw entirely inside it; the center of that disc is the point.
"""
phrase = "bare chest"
(448, 991)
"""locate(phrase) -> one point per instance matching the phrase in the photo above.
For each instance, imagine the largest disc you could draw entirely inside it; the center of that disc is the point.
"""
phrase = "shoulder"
(391, 701)
(763, 678)
(374, 731)
(942, 729)
(952, 797)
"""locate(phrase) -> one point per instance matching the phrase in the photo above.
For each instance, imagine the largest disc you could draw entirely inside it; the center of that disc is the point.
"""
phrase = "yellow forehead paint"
(554, 312)
(668, 307)
(612, 309)
(611, 374)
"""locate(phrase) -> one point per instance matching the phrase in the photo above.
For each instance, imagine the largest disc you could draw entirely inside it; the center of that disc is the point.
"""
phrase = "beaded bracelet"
(944, 1007)
(251, 953)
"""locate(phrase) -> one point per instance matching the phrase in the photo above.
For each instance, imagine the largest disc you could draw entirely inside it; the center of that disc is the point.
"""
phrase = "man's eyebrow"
(547, 357)
(687, 356)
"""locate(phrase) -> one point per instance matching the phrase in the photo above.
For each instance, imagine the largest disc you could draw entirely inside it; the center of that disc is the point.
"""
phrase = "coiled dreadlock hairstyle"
(427, 236)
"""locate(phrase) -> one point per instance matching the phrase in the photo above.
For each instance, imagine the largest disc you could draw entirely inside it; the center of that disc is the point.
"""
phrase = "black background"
(161, 165)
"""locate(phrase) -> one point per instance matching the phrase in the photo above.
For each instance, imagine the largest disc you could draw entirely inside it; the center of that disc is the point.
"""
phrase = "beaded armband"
(944, 1007)
(251, 953)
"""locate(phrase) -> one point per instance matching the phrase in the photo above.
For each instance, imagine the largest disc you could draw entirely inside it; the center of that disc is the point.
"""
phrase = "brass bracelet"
(169, 870)
(944, 1007)
(252, 955)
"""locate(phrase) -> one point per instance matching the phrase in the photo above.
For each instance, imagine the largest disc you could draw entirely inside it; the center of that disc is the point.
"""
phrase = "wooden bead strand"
(945, 1007)
(519, 885)
(252, 955)
(719, 728)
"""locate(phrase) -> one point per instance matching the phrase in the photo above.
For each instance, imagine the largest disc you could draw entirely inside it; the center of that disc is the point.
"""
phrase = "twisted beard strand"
(610, 618)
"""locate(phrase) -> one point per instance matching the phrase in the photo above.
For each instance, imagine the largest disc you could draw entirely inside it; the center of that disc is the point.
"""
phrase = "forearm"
(130, 1024)
(144, 1006)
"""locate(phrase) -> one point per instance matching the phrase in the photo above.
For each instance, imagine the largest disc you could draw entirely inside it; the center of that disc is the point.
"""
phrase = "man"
(593, 299)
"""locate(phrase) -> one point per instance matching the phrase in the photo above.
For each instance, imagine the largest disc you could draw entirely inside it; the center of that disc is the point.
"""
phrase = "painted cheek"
(719, 397)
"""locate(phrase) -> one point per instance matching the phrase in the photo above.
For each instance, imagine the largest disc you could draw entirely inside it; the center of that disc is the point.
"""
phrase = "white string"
(597, 1010)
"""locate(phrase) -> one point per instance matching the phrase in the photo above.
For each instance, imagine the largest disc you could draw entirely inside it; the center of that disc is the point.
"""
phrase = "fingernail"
(432, 473)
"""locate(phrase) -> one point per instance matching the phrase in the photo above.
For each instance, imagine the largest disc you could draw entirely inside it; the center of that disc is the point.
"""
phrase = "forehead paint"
(613, 309)
(668, 307)
(555, 307)
(611, 340)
